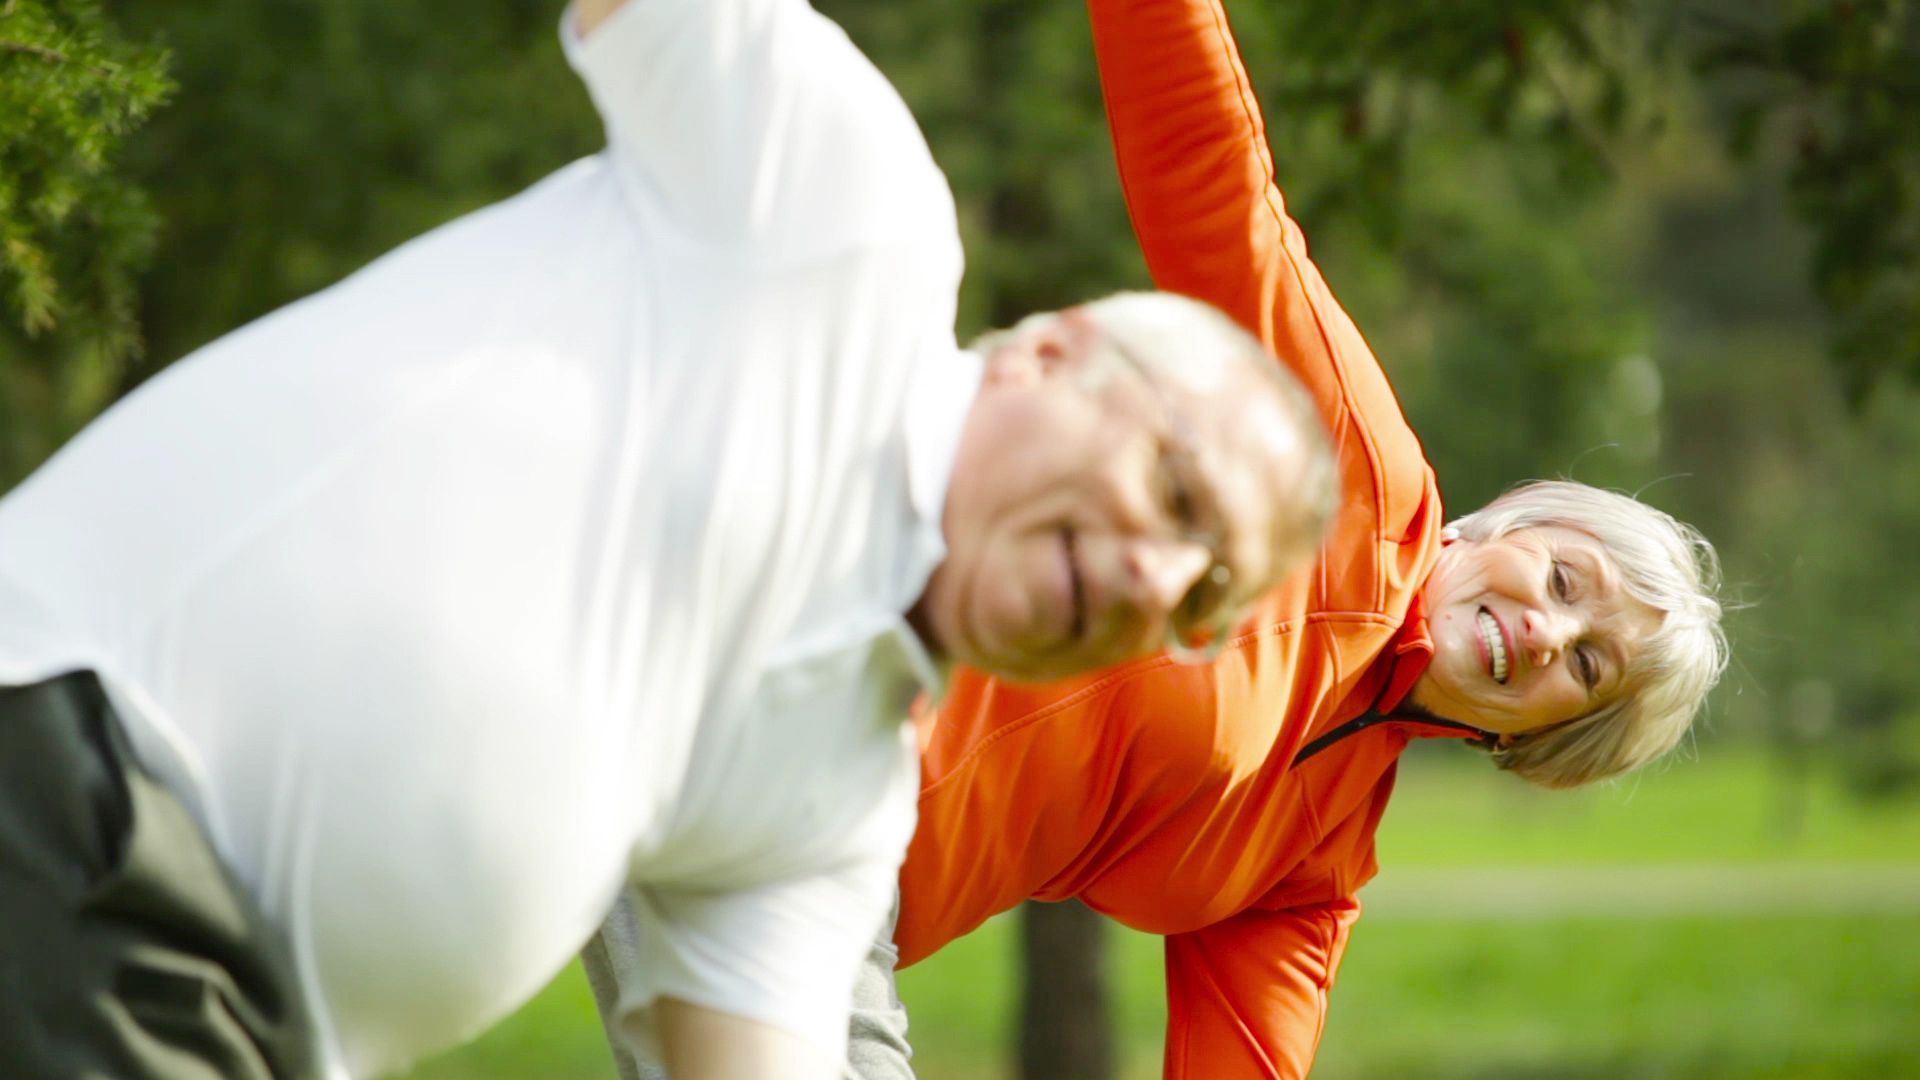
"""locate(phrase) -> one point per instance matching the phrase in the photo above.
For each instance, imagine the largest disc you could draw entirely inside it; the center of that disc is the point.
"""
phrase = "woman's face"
(1530, 629)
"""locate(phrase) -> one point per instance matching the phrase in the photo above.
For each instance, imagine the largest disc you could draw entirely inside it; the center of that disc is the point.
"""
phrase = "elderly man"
(349, 668)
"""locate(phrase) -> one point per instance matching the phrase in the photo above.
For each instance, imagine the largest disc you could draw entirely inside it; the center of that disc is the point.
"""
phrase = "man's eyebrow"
(1183, 442)
(1207, 500)
(1214, 509)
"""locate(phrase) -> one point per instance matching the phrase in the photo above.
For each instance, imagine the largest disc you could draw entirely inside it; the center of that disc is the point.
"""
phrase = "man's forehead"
(1257, 471)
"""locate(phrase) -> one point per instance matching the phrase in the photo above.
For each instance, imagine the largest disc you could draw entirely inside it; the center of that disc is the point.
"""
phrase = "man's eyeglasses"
(1200, 626)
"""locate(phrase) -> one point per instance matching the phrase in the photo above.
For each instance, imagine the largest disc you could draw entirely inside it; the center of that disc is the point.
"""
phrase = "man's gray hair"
(1665, 564)
(1196, 345)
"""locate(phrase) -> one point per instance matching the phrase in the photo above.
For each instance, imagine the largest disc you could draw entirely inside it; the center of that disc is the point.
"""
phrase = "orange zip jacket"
(1231, 807)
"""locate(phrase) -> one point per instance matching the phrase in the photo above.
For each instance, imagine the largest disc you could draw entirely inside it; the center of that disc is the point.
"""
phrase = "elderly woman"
(1231, 804)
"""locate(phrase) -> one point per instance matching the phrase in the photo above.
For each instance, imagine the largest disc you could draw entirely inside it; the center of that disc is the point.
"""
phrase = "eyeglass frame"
(1177, 444)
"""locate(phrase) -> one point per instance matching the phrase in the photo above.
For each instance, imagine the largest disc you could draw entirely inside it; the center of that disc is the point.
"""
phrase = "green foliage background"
(75, 230)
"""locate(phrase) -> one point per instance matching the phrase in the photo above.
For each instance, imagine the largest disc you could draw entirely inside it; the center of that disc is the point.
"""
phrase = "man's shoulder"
(761, 128)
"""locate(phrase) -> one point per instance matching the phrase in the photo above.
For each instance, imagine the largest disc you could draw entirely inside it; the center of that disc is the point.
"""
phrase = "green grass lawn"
(1729, 805)
(1775, 997)
(1785, 995)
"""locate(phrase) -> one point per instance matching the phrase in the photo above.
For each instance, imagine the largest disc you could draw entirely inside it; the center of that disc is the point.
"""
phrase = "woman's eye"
(1561, 586)
(1589, 674)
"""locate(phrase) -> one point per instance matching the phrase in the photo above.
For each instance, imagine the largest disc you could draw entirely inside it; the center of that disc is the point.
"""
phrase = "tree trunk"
(1065, 1032)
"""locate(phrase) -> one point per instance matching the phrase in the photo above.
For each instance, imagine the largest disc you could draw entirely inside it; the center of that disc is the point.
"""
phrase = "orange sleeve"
(1199, 177)
(1199, 181)
(1247, 998)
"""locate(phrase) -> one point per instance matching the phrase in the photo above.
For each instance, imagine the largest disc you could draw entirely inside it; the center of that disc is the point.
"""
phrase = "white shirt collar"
(939, 400)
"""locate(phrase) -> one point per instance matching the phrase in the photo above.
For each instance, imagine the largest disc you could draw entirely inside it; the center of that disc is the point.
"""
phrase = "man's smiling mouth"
(1496, 644)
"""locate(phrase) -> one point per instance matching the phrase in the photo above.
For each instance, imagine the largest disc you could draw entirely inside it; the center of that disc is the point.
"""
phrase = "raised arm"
(1197, 171)
(752, 122)
(1199, 181)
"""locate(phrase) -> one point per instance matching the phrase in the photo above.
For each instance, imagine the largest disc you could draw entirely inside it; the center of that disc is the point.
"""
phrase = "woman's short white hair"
(1665, 564)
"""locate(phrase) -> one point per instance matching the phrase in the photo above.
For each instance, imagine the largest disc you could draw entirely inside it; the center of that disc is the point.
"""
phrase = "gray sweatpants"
(126, 947)
(877, 1033)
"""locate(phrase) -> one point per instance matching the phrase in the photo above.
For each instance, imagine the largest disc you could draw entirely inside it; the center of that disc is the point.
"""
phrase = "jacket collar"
(1406, 658)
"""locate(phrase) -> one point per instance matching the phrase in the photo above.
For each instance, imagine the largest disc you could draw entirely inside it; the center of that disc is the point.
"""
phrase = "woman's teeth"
(1496, 645)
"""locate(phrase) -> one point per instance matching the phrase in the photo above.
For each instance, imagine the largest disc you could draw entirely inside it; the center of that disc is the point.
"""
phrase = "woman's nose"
(1545, 634)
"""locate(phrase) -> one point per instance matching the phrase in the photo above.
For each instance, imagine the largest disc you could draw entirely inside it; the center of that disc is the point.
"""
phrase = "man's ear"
(1015, 361)
(1043, 349)
(1035, 352)
(1064, 343)
(1060, 341)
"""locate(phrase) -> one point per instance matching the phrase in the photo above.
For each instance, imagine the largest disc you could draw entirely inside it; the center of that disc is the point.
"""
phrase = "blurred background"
(1668, 247)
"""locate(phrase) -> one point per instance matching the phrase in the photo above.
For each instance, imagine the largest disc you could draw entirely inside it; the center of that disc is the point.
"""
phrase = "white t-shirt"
(565, 544)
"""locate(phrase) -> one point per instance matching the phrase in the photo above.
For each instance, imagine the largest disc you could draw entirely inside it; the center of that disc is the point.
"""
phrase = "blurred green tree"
(74, 231)
(308, 138)
(1840, 79)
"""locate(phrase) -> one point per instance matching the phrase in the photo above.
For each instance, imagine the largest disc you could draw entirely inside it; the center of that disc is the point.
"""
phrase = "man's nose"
(1546, 634)
(1159, 572)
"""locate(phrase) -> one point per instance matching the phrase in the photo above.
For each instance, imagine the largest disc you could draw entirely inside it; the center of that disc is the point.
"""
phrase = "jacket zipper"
(1369, 719)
